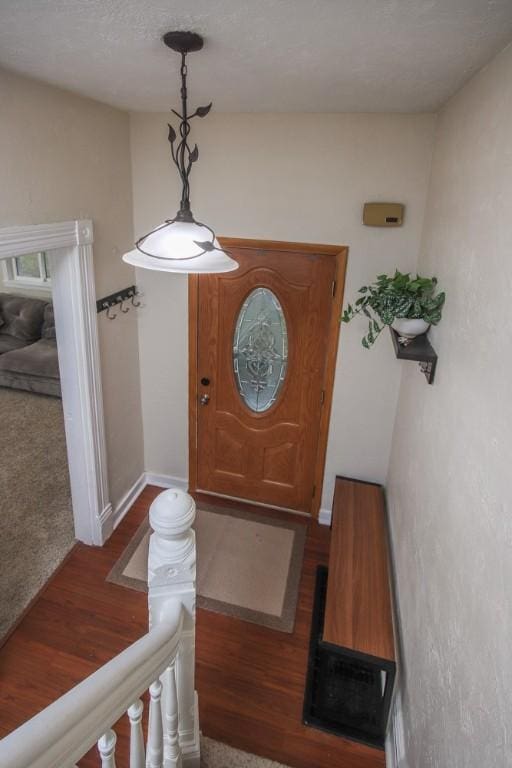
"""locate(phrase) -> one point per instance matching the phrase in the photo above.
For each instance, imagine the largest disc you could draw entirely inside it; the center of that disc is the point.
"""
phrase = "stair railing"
(161, 661)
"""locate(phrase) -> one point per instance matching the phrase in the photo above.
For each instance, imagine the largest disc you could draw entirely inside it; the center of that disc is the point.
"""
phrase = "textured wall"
(285, 177)
(65, 157)
(449, 492)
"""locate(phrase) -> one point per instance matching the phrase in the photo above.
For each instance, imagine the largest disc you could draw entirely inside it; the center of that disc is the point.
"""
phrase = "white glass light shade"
(174, 247)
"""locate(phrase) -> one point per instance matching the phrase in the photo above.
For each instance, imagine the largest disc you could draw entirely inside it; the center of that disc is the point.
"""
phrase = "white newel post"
(172, 575)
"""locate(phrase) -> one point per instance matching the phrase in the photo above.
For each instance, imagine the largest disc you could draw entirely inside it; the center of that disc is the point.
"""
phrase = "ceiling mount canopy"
(183, 42)
(182, 244)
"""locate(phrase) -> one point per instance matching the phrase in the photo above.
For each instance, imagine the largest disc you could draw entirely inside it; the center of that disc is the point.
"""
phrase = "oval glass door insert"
(260, 349)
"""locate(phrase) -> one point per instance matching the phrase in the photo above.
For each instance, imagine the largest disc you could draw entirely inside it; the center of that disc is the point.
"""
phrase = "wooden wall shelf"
(419, 349)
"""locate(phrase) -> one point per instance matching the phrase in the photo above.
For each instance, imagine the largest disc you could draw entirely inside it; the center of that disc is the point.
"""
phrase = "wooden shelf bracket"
(420, 350)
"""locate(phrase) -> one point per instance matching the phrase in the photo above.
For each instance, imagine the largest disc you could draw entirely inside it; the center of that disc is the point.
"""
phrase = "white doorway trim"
(69, 246)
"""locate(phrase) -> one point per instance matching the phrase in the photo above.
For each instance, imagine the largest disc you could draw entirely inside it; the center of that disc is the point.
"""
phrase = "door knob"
(204, 399)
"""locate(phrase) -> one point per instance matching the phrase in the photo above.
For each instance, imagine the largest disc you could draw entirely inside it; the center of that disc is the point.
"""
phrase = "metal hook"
(121, 301)
(111, 317)
(135, 303)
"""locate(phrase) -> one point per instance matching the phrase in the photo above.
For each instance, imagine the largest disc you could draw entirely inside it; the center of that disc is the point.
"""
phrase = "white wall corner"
(395, 738)
(390, 751)
(131, 495)
(324, 516)
(166, 481)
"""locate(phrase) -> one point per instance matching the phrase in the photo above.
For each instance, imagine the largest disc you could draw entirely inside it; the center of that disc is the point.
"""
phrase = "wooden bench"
(352, 651)
(358, 613)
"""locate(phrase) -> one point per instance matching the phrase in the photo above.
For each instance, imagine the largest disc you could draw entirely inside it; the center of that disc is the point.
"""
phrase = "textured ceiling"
(260, 55)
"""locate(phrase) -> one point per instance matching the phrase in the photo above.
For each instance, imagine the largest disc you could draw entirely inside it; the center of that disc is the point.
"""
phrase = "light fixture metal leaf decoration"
(203, 111)
(194, 154)
(172, 134)
(206, 245)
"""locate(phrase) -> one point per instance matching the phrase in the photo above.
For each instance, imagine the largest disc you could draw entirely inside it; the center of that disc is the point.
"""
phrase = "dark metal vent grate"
(343, 693)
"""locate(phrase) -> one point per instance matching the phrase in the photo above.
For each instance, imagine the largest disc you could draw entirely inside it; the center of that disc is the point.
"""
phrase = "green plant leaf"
(397, 296)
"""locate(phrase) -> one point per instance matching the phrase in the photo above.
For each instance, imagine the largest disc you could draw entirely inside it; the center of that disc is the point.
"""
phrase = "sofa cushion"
(23, 316)
(48, 329)
(7, 343)
(40, 384)
(38, 359)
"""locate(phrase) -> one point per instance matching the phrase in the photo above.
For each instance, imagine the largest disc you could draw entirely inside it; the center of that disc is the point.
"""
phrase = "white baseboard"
(126, 502)
(166, 481)
(105, 524)
(324, 516)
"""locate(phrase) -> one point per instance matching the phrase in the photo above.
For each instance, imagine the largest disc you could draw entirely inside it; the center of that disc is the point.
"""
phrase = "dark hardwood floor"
(250, 679)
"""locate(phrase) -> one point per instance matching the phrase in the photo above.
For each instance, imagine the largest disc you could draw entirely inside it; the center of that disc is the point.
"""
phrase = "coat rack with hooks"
(119, 297)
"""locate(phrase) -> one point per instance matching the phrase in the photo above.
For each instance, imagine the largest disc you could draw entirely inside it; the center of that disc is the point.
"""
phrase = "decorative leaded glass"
(260, 349)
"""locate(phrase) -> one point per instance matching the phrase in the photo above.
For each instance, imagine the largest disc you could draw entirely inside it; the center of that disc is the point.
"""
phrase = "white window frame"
(68, 246)
(11, 278)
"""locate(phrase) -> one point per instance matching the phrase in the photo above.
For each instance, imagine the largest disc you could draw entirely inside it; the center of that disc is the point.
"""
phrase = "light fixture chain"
(182, 155)
(184, 131)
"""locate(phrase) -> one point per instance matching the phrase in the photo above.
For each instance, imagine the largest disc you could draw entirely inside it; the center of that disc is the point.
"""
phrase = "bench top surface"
(358, 612)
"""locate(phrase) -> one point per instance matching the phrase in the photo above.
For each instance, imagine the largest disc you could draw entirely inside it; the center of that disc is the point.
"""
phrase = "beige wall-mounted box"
(383, 214)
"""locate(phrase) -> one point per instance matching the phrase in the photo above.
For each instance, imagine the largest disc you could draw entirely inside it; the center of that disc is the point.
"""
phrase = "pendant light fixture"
(182, 244)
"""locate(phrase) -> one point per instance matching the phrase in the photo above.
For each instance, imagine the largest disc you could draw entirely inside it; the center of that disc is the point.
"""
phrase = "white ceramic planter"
(409, 327)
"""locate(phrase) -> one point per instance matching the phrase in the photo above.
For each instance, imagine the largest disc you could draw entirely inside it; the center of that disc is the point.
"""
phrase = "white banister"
(172, 575)
(63, 732)
(137, 755)
(163, 661)
(107, 749)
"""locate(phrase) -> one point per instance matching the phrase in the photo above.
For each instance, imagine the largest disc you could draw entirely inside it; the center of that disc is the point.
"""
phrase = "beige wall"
(65, 157)
(301, 177)
(450, 496)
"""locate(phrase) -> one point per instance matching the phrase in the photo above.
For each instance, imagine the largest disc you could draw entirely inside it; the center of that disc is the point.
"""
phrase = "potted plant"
(409, 305)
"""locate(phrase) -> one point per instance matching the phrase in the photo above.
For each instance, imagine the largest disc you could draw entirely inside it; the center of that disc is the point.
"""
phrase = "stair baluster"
(137, 756)
(107, 749)
(155, 750)
(172, 744)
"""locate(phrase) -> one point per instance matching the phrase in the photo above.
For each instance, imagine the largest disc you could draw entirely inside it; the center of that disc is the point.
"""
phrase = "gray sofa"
(28, 345)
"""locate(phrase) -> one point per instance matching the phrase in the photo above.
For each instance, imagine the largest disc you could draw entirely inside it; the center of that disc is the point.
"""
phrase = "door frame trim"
(69, 246)
(338, 252)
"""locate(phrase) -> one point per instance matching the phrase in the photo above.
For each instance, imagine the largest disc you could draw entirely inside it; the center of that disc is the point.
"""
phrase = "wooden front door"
(262, 349)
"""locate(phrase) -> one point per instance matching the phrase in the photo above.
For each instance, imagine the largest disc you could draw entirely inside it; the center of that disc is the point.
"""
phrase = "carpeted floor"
(217, 755)
(36, 521)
